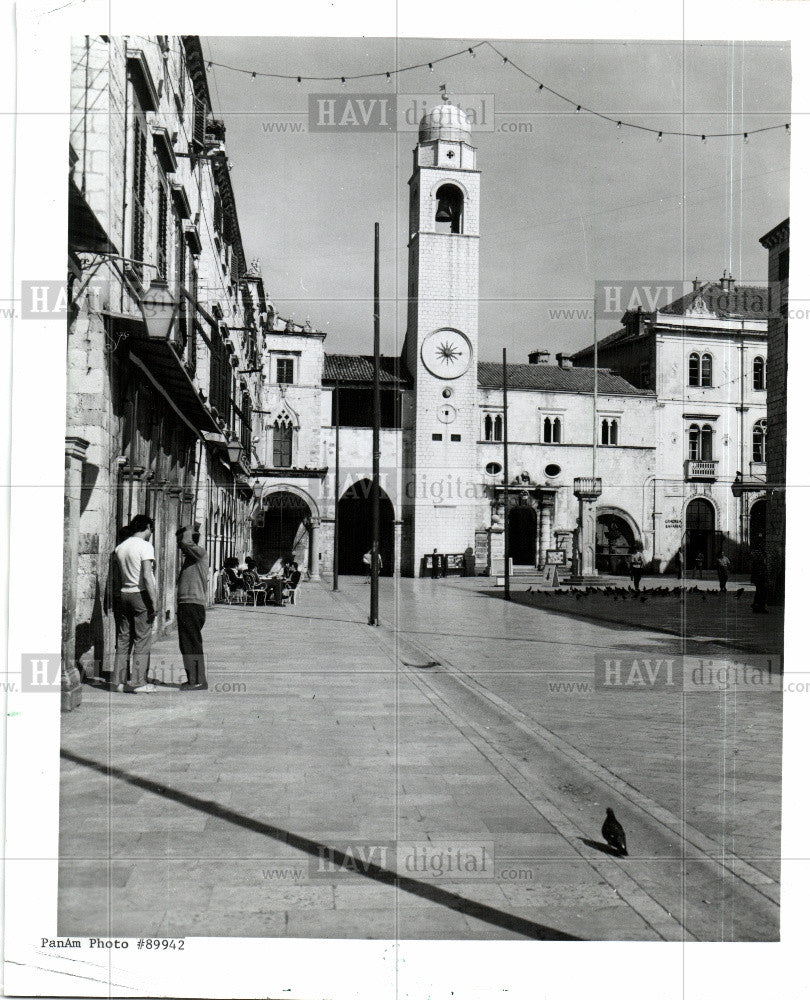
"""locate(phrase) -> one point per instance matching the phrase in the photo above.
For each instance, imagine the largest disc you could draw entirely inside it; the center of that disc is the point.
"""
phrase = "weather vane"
(443, 91)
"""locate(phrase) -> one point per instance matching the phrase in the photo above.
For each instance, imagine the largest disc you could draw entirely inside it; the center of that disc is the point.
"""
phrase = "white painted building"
(705, 356)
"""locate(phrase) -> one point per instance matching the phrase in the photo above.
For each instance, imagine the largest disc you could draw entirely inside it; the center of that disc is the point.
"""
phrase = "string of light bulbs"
(471, 50)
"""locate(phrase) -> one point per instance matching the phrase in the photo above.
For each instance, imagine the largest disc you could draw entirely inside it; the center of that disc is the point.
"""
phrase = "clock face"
(446, 353)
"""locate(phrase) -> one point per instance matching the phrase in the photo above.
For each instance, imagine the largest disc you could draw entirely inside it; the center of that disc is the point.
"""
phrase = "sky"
(567, 201)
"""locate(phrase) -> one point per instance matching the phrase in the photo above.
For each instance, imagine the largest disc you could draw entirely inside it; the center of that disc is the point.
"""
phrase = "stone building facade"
(777, 243)
(164, 329)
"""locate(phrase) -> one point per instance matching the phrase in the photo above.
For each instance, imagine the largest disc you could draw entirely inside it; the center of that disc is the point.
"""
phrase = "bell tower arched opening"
(449, 209)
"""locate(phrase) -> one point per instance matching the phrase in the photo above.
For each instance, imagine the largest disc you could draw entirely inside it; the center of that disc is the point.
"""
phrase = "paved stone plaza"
(462, 721)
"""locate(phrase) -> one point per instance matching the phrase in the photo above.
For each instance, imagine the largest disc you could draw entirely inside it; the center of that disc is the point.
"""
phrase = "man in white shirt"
(135, 562)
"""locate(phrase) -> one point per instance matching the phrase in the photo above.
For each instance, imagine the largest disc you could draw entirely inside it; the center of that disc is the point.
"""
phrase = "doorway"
(757, 522)
(699, 536)
(282, 531)
(523, 536)
(355, 530)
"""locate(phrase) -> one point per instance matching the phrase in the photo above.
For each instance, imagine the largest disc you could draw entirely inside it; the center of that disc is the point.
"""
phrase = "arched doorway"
(757, 522)
(354, 530)
(699, 535)
(281, 529)
(523, 535)
(615, 541)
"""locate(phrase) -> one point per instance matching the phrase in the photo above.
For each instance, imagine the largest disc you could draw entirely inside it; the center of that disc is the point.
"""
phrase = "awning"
(167, 371)
(85, 232)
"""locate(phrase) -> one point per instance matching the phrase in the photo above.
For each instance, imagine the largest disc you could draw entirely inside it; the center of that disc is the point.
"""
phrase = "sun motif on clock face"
(446, 353)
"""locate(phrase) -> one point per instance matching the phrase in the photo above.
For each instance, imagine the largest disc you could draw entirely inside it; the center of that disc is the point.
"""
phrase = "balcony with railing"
(701, 469)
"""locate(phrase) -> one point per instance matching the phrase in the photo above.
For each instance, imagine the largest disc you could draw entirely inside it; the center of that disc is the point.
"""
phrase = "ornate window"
(760, 440)
(610, 431)
(759, 373)
(551, 430)
(282, 442)
(700, 443)
(493, 427)
(700, 369)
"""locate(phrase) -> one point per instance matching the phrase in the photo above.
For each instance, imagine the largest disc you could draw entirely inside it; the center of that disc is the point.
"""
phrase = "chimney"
(565, 360)
(539, 357)
(696, 284)
(726, 282)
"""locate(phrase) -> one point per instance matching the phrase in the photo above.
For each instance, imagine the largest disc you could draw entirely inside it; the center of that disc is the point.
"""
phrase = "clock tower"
(441, 342)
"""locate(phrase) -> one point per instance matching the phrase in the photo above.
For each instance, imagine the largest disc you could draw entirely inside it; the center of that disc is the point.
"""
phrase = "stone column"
(75, 454)
(397, 547)
(587, 490)
(314, 548)
(497, 544)
(546, 505)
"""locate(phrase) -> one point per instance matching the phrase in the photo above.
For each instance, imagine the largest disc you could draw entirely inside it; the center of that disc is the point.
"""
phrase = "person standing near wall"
(192, 595)
(135, 566)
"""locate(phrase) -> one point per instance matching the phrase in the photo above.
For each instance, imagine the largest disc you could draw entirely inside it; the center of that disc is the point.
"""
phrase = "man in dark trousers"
(759, 577)
(192, 597)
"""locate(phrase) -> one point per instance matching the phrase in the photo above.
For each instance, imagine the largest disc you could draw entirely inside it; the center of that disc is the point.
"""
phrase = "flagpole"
(374, 612)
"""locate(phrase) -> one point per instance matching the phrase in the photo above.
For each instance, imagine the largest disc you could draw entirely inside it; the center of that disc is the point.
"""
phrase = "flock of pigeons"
(630, 593)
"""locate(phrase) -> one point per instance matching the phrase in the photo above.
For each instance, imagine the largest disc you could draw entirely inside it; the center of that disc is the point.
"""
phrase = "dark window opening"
(437, 437)
(759, 373)
(784, 265)
(162, 230)
(706, 370)
(284, 371)
(138, 193)
(694, 369)
(760, 440)
(552, 430)
(455, 437)
(610, 432)
(282, 444)
(700, 443)
(357, 407)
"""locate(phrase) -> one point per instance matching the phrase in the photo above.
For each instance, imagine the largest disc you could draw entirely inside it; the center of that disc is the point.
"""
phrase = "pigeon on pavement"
(613, 833)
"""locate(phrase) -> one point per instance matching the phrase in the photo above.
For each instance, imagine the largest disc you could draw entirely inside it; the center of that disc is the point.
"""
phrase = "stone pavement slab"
(214, 805)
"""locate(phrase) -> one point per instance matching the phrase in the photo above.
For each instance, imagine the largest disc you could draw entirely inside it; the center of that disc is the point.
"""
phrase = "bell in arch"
(449, 202)
(444, 213)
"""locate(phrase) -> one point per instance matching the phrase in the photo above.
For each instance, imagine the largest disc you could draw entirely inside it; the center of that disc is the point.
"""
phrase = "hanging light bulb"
(430, 67)
(579, 107)
(540, 87)
(745, 138)
(343, 80)
(505, 60)
(471, 53)
(387, 76)
(660, 137)
(787, 127)
(298, 78)
(618, 124)
(703, 138)
(253, 75)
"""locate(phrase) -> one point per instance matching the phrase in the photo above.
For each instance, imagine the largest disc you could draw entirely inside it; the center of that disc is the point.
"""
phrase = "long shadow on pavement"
(442, 897)
(769, 645)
